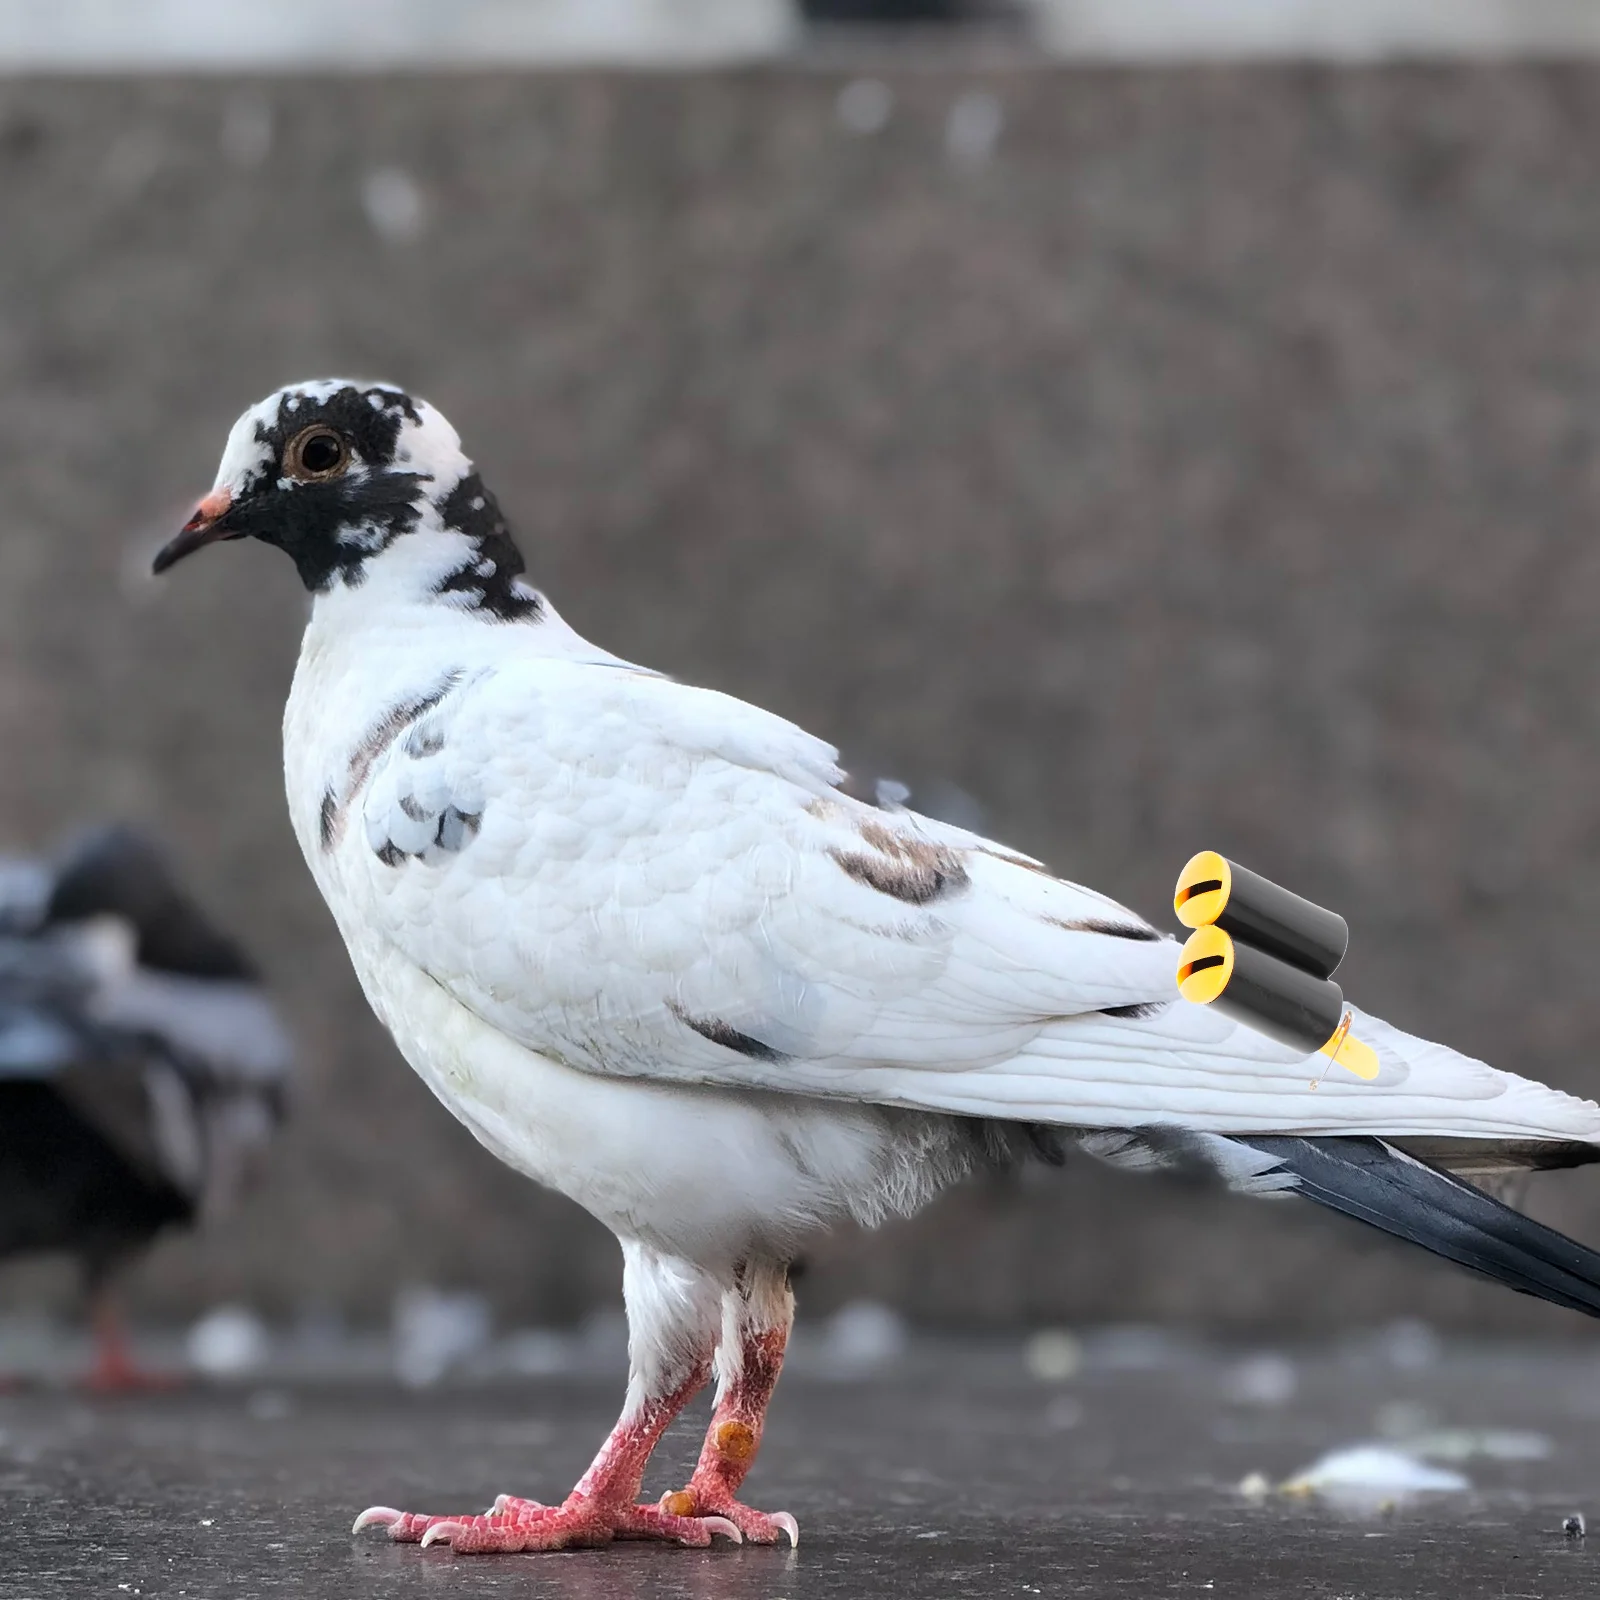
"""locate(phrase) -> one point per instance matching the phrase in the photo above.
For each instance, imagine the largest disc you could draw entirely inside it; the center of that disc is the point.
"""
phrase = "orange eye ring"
(316, 454)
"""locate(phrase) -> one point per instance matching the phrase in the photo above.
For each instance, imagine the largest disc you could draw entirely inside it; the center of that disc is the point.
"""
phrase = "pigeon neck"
(455, 566)
(452, 586)
(486, 576)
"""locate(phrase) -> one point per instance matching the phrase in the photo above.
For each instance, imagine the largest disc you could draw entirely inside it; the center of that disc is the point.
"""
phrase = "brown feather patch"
(908, 869)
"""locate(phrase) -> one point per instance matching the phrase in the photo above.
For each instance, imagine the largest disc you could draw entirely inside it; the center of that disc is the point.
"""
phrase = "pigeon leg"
(756, 1321)
(602, 1508)
(672, 1312)
(114, 1370)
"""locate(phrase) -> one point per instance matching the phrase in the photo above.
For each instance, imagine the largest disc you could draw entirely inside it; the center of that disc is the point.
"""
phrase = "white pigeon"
(636, 936)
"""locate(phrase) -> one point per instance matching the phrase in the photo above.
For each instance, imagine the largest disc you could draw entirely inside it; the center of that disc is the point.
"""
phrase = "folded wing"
(639, 878)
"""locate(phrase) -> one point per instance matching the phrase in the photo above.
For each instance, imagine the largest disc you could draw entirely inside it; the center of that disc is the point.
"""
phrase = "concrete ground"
(963, 1473)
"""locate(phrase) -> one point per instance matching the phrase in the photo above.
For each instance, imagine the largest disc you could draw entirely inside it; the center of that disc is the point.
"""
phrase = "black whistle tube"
(1286, 1003)
(1261, 915)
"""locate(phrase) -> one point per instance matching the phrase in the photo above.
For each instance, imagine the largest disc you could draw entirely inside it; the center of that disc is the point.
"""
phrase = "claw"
(442, 1533)
(789, 1526)
(377, 1517)
(727, 1529)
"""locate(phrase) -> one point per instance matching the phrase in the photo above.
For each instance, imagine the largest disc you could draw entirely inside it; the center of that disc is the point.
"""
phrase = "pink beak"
(204, 527)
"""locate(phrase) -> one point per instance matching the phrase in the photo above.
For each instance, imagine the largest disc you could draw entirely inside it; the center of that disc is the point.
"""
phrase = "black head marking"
(334, 473)
(370, 419)
(491, 576)
(330, 528)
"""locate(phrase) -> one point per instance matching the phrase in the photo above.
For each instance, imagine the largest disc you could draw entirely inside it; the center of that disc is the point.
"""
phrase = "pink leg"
(755, 1334)
(601, 1508)
(114, 1370)
(672, 1319)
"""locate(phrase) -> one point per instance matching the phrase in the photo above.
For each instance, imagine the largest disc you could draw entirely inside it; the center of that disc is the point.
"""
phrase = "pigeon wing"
(635, 877)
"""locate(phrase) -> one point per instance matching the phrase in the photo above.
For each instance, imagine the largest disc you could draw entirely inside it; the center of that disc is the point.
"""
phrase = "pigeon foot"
(759, 1527)
(513, 1524)
(114, 1370)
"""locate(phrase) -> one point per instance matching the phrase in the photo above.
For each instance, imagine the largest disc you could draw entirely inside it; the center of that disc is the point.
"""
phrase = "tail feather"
(1491, 1158)
(1371, 1180)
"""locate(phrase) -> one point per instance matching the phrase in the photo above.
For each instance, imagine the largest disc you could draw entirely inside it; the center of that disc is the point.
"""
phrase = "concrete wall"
(1204, 458)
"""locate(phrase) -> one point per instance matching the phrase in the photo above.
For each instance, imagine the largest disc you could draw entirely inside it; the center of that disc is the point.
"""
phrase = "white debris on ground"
(1053, 1355)
(1372, 1474)
(434, 1331)
(862, 1337)
(1263, 1379)
(228, 1342)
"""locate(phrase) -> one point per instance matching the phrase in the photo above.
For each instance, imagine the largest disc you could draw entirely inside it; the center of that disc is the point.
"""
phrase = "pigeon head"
(336, 474)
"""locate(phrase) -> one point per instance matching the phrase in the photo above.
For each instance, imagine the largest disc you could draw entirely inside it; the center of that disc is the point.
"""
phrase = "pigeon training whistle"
(1266, 957)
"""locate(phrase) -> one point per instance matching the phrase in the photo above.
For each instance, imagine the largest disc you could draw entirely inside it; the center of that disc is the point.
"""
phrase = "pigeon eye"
(316, 453)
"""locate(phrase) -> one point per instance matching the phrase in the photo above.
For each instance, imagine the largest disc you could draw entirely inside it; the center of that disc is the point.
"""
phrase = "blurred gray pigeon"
(142, 1067)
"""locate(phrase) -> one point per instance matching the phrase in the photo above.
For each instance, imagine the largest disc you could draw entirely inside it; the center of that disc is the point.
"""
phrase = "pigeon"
(142, 1068)
(643, 942)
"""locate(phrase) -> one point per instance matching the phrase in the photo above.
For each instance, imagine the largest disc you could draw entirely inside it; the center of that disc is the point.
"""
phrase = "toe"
(557, 1528)
(444, 1532)
(405, 1527)
(759, 1527)
(652, 1522)
(410, 1527)
(513, 1505)
(487, 1535)
(377, 1517)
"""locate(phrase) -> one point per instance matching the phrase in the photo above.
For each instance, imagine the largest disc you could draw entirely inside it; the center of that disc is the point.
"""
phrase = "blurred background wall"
(1149, 457)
